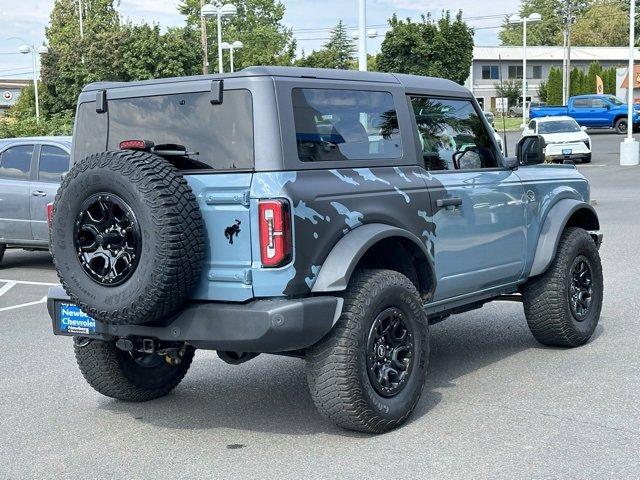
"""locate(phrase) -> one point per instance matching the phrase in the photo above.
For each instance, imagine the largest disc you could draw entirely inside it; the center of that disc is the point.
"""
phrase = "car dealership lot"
(496, 403)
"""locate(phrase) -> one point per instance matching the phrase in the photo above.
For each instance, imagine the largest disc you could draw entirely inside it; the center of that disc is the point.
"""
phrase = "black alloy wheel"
(390, 351)
(580, 288)
(107, 239)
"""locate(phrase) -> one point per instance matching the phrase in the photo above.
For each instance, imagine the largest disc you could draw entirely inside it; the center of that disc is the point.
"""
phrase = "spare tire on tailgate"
(127, 237)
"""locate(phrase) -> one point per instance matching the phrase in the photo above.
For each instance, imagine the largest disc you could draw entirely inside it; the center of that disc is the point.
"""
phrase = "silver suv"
(30, 172)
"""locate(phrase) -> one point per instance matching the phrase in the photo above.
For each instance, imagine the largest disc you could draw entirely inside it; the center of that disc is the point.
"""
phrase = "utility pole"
(568, 18)
(203, 41)
(362, 35)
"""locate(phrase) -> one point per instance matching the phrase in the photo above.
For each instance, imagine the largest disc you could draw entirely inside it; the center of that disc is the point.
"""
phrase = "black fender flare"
(339, 265)
(553, 226)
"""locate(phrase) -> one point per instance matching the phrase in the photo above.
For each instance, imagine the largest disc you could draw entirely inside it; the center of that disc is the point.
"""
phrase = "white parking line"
(7, 286)
(12, 307)
(25, 282)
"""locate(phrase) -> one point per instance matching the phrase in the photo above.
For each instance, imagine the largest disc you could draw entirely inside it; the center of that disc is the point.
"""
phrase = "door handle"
(448, 202)
(39, 193)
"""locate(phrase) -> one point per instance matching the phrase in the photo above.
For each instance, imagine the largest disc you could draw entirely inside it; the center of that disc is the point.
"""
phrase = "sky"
(309, 19)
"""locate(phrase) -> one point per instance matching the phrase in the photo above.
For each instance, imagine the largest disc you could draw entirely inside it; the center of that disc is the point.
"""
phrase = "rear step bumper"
(274, 325)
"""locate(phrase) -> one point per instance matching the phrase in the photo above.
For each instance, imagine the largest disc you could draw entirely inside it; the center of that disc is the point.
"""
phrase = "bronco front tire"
(367, 374)
(129, 376)
(562, 305)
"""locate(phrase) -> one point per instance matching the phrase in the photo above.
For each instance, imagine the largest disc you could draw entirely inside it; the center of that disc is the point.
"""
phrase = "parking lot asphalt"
(496, 404)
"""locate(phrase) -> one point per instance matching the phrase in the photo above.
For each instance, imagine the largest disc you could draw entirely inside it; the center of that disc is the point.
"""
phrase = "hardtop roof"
(408, 81)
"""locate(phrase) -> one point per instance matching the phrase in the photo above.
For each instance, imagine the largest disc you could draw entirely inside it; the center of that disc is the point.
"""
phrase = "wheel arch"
(377, 245)
(565, 213)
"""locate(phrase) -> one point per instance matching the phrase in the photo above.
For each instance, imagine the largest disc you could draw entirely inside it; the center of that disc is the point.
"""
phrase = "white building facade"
(490, 64)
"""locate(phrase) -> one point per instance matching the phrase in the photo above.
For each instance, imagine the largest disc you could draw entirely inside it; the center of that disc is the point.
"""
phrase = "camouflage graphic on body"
(328, 204)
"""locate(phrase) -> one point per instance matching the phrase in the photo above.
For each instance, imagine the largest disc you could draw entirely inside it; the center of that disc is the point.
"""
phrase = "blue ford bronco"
(324, 214)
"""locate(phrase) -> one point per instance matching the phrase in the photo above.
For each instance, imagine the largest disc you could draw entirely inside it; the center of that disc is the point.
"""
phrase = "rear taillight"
(275, 232)
(49, 213)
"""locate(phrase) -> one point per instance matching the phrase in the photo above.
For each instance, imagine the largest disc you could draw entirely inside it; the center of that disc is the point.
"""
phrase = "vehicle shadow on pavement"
(269, 394)
(28, 260)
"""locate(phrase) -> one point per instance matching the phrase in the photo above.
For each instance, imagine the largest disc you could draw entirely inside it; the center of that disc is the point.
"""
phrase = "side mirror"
(583, 128)
(511, 163)
(530, 150)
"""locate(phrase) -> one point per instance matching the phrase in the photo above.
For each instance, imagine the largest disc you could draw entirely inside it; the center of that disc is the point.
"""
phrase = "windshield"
(615, 100)
(559, 126)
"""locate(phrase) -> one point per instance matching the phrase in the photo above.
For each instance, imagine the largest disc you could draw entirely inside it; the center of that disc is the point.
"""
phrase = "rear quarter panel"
(328, 204)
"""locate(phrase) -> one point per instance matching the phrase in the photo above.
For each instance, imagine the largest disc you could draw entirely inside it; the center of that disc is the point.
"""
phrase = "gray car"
(30, 173)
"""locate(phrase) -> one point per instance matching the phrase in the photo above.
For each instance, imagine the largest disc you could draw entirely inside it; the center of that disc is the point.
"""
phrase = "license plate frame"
(70, 320)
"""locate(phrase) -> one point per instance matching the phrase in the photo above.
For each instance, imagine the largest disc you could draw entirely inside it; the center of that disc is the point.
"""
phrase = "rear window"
(216, 136)
(342, 125)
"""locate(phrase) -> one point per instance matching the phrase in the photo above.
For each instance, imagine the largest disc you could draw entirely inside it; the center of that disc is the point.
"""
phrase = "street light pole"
(362, 34)
(524, 72)
(220, 65)
(35, 81)
(534, 17)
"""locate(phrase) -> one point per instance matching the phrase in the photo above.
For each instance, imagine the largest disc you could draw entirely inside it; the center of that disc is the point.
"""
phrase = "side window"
(15, 162)
(581, 103)
(342, 125)
(598, 103)
(453, 135)
(53, 163)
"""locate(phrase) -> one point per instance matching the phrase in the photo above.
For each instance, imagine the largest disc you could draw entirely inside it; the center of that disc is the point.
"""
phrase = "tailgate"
(224, 202)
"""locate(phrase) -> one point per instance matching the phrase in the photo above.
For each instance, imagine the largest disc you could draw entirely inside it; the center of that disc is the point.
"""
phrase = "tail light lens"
(275, 232)
(49, 213)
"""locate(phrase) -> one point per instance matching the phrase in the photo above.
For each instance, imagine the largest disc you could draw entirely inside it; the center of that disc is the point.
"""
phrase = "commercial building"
(10, 91)
(490, 64)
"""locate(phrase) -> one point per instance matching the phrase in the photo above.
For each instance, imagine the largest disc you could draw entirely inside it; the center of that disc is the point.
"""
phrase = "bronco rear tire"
(367, 374)
(133, 377)
(127, 237)
(562, 305)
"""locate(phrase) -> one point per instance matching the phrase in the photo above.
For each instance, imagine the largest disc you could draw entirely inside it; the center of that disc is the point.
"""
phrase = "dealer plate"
(73, 320)
(567, 151)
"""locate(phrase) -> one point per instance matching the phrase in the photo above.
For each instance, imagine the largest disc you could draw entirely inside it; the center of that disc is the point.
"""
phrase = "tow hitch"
(172, 354)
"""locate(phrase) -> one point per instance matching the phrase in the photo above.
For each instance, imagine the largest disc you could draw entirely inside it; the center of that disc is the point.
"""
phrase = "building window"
(490, 72)
(515, 71)
(536, 72)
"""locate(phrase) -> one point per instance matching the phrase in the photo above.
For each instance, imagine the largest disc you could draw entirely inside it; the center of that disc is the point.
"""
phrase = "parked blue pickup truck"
(593, 111)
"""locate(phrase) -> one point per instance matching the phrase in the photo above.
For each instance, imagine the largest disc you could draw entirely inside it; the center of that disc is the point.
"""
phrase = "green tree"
(546, 32)
(338, 52)
(589, 85)
(604, 24)
(543, 92)
(258, 25)
(442, 48)
(576, 82)
(554, 86)
(73, 61)
(510, 89)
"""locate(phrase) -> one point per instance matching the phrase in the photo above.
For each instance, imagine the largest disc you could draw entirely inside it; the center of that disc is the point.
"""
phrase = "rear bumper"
(275, 325)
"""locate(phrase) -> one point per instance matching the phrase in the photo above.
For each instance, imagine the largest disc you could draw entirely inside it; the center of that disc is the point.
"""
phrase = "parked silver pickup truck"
(30, 172)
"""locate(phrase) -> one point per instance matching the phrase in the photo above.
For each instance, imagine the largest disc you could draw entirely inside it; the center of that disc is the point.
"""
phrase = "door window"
(342, 125)
(581, 103)
(53, 163)
(452, 135)
(15, 162)
(598, 103)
